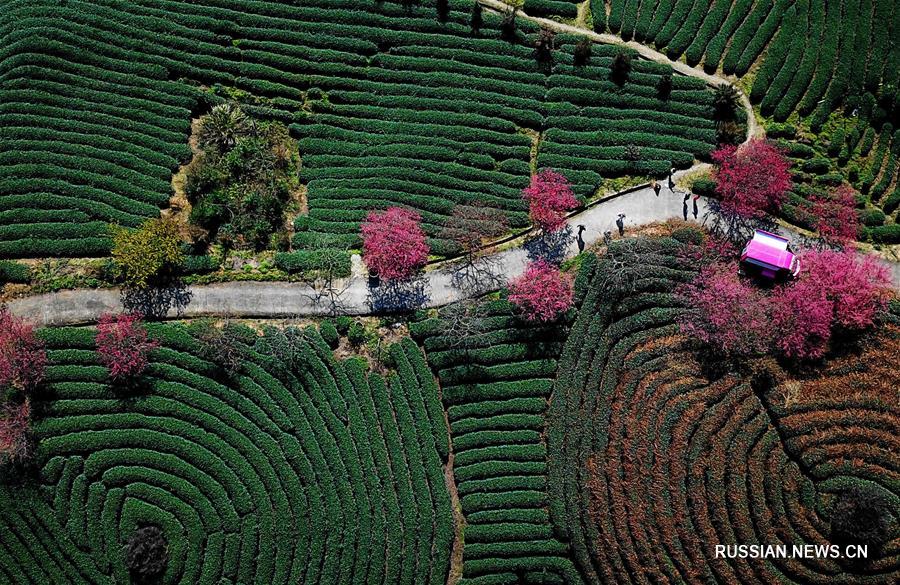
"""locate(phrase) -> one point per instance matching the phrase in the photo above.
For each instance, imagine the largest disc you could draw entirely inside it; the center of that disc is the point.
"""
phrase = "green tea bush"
(329, 334)
(14, 272)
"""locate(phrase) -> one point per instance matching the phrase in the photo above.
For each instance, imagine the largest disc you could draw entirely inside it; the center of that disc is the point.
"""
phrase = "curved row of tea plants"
(312, 473)
(652, 464)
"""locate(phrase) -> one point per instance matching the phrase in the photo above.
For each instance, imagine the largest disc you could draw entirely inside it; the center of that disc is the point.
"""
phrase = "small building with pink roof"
(769, 256)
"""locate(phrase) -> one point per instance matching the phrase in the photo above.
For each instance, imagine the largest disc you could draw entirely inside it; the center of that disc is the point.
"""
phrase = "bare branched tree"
(462, 322)
(470, 227)
(329, 281)
(624, 263)
(221, 345)
(284, 344)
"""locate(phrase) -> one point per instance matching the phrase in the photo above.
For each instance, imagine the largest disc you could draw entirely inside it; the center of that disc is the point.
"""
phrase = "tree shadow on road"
(732, 226)
(397, 296)
(156, 302)
(477, 276)
(550, 246)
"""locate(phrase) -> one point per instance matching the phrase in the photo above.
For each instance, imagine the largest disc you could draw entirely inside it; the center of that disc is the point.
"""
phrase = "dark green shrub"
(892, 202)
(688, 235)
(343, 323)
(203, 175)
(223, 126)
(861, 515)
(146, 553)
(14, 272)
(329, 334)
(356, 335)
(508, 25)
(582, 52)
(199, 264)
(704, 187)
(830, 179)
(336, 261)
(621, 68)
(885, 234)
(817, 166)
(837, 142)
(871, 217)
(781, 131)
(477, 19)
(725, 102)
(664, 86)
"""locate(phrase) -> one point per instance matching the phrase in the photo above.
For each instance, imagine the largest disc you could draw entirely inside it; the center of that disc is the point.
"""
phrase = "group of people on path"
(654, 184)
(657, 188)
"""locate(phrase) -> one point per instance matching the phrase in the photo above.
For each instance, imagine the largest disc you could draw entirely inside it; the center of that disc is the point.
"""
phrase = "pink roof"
(762, 252)
(769, 249)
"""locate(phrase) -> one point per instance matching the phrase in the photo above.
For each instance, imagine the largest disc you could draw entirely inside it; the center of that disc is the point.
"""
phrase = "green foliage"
(780, 130)
(240, 185)
(356, 334)
(366, 99)
(496, 374)
(221, 129)
(885, 234)
(343, 323)
(199, 264)
(329, 334)
(689, 235)
(147, 254)
(336, 262)
(871, 217)
(14, 272)
(704, 187)
(862, 515)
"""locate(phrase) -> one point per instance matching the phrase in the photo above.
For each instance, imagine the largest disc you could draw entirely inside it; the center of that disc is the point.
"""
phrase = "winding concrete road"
(438, 286)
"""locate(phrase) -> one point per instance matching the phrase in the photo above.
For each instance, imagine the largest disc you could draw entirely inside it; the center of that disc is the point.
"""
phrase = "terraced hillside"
(652, 463)
(495, 380)
(815, 53)
(391, 105)
(305, 472)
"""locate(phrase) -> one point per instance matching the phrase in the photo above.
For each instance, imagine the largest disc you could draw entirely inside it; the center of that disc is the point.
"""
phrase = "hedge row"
(808, 50)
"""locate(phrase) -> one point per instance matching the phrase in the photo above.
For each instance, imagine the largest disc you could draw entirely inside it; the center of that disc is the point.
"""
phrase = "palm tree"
(725, 102)
(221, 128)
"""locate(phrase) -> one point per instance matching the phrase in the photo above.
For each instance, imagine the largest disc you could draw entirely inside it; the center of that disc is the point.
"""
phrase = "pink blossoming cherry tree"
(394, 246)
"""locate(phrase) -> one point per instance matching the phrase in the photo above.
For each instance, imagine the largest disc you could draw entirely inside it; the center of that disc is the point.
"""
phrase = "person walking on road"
(696, 210)
(656, 187)
(620, 223)
(671, 180)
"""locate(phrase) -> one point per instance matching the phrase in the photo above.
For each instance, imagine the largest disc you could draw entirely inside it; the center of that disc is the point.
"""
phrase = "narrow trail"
(437, 286)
